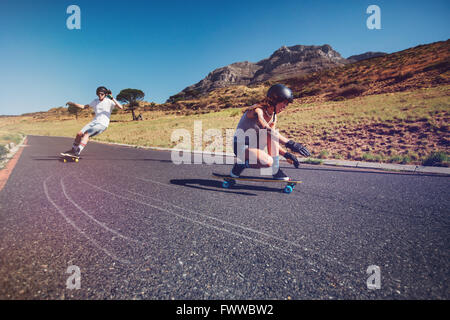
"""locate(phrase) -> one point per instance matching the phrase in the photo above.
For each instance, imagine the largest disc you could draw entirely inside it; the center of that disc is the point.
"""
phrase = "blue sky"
(161, 47)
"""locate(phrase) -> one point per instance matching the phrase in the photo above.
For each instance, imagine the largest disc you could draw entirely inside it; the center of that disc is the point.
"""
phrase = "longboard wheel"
(288, 189)
(226, 184)
(76, 160)
(65, 160)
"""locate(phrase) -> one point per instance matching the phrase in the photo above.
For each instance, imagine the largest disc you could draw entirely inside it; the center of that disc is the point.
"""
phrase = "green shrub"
(16, 138)
(395, 158)
(3, 151)
(372, 157)
(438, 159)
(312, 161)
(323, 154)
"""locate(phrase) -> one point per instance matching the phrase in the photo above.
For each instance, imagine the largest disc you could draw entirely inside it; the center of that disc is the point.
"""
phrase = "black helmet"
(278, 93)
(102, 89)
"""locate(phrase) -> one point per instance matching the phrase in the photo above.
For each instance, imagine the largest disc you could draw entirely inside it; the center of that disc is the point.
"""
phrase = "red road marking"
(6, 172)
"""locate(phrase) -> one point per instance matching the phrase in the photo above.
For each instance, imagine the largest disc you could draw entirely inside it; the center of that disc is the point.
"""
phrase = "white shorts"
(93, 128)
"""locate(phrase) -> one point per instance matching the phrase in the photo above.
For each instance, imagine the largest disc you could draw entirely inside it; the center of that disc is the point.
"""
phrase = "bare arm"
(77, 105)
(118, 105)
(270, 128)
(290, 144)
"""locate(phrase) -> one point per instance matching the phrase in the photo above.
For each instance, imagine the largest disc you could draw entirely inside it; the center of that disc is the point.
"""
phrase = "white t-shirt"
(102, 110)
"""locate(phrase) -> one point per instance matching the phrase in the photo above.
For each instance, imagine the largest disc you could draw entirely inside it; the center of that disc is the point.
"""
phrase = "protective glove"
(297, 147)
(292, 159)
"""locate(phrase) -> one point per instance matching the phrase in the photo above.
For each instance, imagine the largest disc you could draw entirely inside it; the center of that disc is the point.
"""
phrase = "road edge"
(391, 167)
(330, 162)
(10, 163)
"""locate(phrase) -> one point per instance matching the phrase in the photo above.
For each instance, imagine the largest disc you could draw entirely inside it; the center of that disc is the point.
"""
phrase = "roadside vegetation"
(7, 141)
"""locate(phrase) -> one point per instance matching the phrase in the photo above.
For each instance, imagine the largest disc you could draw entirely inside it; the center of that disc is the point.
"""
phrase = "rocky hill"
(423, 66)
(419, 67)
(285, 62)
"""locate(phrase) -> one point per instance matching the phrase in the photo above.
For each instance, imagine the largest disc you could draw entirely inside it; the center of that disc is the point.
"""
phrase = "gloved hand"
(297, 147)
(292, 159)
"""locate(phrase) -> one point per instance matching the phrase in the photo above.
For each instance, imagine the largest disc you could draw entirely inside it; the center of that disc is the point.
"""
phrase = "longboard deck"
(229, 182)
(67, 157)
(254, 178)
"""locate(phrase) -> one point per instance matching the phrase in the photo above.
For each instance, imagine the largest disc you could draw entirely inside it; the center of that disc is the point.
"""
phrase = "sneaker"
(237, 170)
(77, 151)
(70, 152)
(281, 176)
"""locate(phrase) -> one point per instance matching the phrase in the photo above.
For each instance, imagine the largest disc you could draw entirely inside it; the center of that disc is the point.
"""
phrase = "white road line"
(225, 222)
(157, 182)
(214, 218)
(276, 248)
(93, 219)
(95, 243)
(293, 244)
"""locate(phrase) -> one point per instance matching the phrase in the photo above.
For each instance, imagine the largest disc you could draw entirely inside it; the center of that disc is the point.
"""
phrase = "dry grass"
(403, 127)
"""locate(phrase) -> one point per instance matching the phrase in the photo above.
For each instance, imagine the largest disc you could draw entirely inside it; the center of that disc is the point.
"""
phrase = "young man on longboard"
(263, 116)
(103, 107)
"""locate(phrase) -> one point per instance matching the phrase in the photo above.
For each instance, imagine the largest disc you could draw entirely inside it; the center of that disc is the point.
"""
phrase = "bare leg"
(85, 139)
(263, 160)
(273, 146)
(78, 138)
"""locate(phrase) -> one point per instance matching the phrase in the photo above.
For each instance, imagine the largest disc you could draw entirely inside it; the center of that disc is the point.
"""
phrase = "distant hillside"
(419, 67)
(286, 61)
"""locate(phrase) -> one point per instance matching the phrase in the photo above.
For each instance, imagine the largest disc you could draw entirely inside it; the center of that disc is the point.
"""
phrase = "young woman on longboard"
(263, 116)
(103, 107)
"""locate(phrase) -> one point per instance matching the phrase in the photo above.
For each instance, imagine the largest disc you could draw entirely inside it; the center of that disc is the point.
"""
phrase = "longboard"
(67, 157)
(229, 182)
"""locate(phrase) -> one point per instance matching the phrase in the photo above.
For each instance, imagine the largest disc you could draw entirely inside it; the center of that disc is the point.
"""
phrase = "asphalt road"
(140, 227)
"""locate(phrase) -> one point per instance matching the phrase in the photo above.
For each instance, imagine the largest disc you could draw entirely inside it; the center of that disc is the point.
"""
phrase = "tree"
(131, 96)
(74, 110)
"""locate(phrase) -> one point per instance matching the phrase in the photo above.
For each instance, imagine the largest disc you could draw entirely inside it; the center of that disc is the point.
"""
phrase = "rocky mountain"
(365, 56)
(286, 61)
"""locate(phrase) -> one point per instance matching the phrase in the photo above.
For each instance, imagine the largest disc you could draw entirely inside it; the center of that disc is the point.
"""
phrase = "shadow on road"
(216, 185)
